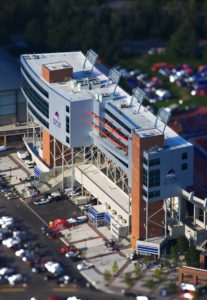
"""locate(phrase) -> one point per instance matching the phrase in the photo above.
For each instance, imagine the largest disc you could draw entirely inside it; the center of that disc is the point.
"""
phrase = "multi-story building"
(128, 158)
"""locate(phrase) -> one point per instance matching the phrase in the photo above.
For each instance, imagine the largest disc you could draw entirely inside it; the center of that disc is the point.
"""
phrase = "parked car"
(6, 272)
(22, 154)
(84, 266)
(16, 278)
(53, 267)
(29, 163)
(41, 201)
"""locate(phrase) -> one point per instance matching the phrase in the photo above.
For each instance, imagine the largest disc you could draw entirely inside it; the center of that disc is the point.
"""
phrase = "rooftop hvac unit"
(113, 212)
(124, 221)
(105, 97)
(119, 217)
(123, 105)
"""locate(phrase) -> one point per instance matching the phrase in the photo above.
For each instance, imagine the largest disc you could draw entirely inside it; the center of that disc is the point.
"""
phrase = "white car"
(22, 154)
(6, 271)
(73, 298)
(10, 242)
(29, 163)
(20, 252)
(71, 254)
(53, 267)
(41, 201)
(6, 219)
(16, 278)
(84, 266)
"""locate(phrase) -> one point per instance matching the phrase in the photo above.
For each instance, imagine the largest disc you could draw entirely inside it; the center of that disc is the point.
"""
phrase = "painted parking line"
(65, 289)
(12, 289)
(34, 212)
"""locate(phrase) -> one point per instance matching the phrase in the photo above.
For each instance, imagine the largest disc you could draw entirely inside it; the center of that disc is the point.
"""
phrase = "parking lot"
(30, 218)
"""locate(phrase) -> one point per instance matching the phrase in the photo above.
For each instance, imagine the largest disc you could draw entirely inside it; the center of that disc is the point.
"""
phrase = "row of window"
(35, 98)
(39, 87)
(67, 127)
(156, 161)
(152, 162)
(114, 127)
(45, 123)
(154, 194)
(152, 178)
(117, 120)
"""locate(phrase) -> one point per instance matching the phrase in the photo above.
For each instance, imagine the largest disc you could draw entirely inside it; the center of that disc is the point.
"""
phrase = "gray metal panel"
(172, 177)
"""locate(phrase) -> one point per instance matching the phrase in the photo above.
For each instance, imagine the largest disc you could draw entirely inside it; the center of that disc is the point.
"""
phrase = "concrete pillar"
(5, 140)
(195, 214)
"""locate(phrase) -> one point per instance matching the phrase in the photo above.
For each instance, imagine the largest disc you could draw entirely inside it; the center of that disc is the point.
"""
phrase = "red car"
(65, 249)
(159, 65)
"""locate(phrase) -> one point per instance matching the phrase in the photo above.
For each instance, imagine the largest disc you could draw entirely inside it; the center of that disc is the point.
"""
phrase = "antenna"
(114, 77)
(92, 57)
(164, 117)
(137, 97)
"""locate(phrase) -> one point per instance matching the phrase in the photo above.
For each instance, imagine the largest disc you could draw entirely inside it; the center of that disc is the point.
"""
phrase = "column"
(146, 223)
(54, 155)
(62, 166)
(5, 140)
(165, 205)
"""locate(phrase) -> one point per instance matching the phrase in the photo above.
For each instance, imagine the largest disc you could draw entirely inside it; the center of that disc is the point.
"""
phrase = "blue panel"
(37, 171)
(147, 249)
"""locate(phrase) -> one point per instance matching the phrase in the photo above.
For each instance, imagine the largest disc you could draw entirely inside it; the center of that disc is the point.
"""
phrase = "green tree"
(107, 276)
(183, 42)
(128, 279)
(158, 274)
(137, 270)
(115, 268)
(146, 260)
(192, 257)
(174, 253)
(167, 264)
(150, 284)
(182, 244)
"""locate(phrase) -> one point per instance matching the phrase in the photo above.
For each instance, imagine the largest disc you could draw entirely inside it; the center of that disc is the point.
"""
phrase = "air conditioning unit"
(113, 212)
(119, 217)
(124, 221)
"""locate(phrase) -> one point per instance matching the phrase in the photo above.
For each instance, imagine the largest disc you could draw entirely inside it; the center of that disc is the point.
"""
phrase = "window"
(145, 161)
(67, 140)
(117, 120)
(40, 104)
(145, 177)
(45, 123)
(154, 194)
(184, 166)
(67, 109)
(154, 162)
(145, 193)
(184, 155)
(43, 91)
(67, 124)
(154, 178)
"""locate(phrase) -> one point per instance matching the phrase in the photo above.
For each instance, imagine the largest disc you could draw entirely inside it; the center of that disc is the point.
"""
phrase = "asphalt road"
(37, 287)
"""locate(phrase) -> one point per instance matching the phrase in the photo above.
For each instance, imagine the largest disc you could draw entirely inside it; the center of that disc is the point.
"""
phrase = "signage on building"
(171, 177)
(56, 119)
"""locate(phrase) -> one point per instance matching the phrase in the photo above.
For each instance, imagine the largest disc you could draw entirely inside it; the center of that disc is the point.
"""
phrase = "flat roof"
(143, 123)
(57, 65)
(119, 198)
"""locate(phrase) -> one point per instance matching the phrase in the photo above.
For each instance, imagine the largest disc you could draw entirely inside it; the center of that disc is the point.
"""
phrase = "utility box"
(57, 72)
(81, 200)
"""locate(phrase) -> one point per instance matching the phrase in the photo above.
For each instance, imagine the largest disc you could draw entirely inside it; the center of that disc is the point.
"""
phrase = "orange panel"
(47, 147)
(139, 145)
